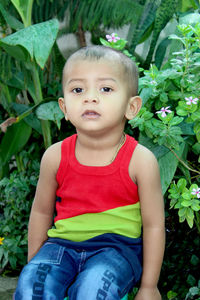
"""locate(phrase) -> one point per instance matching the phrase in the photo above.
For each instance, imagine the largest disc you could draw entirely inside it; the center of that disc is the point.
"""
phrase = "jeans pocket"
(49, 253)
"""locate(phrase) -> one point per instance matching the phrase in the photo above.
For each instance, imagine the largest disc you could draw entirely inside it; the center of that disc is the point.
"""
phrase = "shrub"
(16, 194)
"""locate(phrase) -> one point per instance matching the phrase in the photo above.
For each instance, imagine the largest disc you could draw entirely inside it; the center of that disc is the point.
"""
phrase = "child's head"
(96, 53)
(100, 89)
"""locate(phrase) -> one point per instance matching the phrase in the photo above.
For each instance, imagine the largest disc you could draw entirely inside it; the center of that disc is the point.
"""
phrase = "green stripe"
(125, 220)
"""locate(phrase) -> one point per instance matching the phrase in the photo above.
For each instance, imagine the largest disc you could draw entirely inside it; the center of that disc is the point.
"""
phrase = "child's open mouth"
(90, 114)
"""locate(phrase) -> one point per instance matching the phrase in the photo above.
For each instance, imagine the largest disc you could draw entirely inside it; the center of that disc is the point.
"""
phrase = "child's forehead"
(89, 65)
(74, 63)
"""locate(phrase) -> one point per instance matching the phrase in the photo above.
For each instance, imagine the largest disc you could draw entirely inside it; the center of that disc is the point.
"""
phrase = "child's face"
(95, 95)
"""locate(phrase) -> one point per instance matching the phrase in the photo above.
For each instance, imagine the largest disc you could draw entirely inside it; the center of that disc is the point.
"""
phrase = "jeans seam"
(127, 285)
(82, 260)
(56, 261)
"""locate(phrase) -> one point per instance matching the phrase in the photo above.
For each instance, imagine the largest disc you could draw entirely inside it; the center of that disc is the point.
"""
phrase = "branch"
(183, 163)
(81, 35)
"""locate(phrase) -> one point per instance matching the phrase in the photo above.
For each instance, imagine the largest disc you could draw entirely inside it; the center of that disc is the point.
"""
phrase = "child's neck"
(96, 151)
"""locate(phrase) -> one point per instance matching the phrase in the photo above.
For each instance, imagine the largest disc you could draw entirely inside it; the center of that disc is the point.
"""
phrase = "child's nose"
(91, 98)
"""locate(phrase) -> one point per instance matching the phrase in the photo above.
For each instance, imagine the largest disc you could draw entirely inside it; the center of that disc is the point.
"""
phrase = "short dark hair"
(98, 52)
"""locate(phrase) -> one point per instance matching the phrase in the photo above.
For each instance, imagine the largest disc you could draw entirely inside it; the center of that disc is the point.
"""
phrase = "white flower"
(196, 192)
(112, 38)
(190, 100)
(163, 111)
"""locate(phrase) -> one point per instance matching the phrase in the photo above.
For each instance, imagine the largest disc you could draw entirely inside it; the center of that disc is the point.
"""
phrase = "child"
(108, 193)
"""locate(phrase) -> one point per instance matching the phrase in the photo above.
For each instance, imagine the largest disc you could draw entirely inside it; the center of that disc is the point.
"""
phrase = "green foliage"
(50, 111)
(30, 47)
(163, 89)
(180, 270)
(33, 42)
(193, 292)
(185, 200)
(91, 13)
(163, 14)
(44, 10)
(16, 194)
(25, 10)
(9, 19)
(13, 141)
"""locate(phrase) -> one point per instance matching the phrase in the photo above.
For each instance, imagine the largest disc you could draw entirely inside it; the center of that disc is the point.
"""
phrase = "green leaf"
(10, 20)
(181, 111)
(17, 52)
(175, 95)
(14, 140)
(182, 212)
(194, 260)
(196, 148)
(50, 111)
(191, 280)
(190, 222)
(160, 52)
(195, 206)
(36, 41)
(181, 184)
(172, 203)
(12, 261)
(146, 19)
(196, 116)
(145, 94)
(192, 19)
(24, 8)
(104, 42)
(186, 203)
(194, 291)
(176, 121)
(168, 165)
(171, 295)
(187, 129)
(26, 113)
(186, 196)
(193, 186)
(197, 130)
(163, 14)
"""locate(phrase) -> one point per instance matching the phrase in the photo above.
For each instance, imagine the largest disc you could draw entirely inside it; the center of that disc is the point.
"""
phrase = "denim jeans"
(55, 271)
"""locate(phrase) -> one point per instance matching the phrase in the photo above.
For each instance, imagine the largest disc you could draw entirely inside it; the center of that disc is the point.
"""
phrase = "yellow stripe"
(125, 220)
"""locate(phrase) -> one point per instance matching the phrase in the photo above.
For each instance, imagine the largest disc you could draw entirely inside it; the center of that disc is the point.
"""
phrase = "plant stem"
(39, 98)
(183, 163)
(19, 162)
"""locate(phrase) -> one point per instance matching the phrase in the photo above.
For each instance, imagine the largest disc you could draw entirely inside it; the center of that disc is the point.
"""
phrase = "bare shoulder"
(144, 155)
(143, 163)
(51, 157)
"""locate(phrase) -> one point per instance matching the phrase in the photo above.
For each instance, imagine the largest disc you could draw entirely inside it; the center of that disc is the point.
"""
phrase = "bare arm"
(41, 216)
(152, 211)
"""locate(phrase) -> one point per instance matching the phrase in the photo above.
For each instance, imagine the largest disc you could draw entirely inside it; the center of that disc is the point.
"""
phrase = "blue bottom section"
(57, 271)
(130, 248)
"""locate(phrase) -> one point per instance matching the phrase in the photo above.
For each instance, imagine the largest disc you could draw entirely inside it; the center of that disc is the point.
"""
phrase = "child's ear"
(62, 106)
(133, 107)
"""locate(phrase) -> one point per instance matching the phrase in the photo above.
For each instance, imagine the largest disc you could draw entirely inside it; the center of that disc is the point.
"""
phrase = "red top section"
(85, 189)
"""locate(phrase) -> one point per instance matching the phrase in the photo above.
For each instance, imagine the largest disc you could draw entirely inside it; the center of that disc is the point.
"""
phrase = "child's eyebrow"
(99, 79)
(74, 80)
(107, 78)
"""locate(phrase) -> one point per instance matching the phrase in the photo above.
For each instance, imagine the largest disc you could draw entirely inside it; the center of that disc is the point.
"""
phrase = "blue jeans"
(84, 275)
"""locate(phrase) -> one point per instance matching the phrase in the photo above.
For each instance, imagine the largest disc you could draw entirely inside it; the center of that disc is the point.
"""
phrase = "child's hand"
(148, 294)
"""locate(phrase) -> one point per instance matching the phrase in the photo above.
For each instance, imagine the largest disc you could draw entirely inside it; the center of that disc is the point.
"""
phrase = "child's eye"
(106, 89)
(77, 90)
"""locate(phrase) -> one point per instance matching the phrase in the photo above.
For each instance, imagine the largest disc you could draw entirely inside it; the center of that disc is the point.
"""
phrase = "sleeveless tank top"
(96, 200)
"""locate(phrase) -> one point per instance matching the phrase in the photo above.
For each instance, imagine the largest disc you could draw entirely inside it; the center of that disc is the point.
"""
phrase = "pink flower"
(190, 100)
(196, 192)
(112, 38)
(163, 111)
